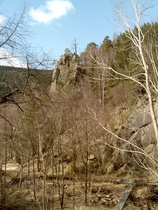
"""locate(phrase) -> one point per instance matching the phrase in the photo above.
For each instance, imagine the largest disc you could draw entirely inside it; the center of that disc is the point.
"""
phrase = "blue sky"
(55, 24)
(84, 20)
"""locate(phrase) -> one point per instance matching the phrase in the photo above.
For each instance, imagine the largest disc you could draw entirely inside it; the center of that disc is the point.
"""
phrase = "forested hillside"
(13, 77)
(81, 135)
(111, 68)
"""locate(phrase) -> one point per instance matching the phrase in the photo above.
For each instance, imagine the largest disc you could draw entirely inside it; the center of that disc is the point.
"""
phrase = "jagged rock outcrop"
(140, 128)
(67, 73)
(139, 131)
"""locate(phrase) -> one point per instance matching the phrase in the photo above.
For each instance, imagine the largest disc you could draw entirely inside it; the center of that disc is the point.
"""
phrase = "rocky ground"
(103, 192)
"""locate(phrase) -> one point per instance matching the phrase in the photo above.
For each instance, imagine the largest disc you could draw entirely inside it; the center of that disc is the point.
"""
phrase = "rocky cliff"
(137, 142)
(67, 74)
(140, 127)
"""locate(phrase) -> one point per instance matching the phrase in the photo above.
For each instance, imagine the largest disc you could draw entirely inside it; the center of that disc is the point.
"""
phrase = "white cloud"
(51, 11)
(8, 59)
(2, 19)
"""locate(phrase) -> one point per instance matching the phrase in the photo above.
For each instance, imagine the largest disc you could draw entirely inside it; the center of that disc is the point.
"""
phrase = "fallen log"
(125, 195)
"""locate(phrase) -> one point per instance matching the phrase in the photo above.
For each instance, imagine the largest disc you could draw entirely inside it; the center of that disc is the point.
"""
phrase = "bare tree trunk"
(5, 173)
(53, 166)
(44, 192)
(34, 178)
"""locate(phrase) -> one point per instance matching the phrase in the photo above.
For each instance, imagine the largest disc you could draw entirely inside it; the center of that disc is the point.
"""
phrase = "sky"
(57, 24)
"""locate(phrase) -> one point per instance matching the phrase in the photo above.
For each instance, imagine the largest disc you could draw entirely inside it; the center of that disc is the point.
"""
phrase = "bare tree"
(144, 59)
(13, 37)
(144, 53)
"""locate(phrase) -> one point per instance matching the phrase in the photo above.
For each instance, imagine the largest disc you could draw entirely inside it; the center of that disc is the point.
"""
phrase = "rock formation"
(67, 73)
(140, 126)
(140, 132)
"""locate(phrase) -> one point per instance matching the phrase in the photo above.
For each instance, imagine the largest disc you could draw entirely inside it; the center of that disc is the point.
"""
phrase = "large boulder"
(140, 127)
(139, 131)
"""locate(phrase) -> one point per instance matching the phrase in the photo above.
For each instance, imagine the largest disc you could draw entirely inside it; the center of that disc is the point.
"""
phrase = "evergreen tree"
(107, 43)
(92, 45)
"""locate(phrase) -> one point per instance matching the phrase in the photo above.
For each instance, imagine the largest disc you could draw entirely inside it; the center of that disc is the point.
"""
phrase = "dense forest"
(11, 77)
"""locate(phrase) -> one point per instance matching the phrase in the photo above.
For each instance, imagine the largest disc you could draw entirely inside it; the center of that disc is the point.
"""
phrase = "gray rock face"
(140, 131)
(140, 126)
(67, 73)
